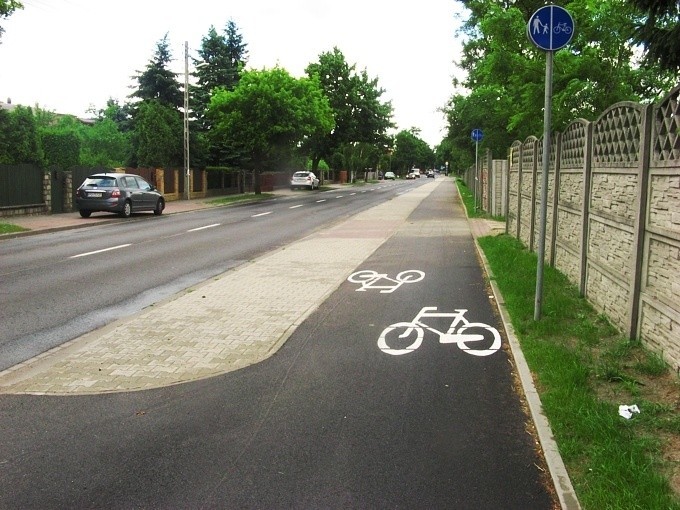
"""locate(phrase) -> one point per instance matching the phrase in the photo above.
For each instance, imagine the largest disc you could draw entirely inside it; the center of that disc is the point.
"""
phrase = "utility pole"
(187, 171)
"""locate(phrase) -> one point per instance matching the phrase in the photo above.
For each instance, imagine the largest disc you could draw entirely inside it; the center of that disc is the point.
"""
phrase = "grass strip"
(8, 228)
(578, 359)
(584, 368)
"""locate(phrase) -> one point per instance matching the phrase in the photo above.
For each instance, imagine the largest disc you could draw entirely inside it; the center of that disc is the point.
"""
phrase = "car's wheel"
(160, 205)
(85, 213)
(127, 209)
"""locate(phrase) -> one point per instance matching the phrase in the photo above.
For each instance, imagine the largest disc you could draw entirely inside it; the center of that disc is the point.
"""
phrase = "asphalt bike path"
(360, 425)
(336, 418)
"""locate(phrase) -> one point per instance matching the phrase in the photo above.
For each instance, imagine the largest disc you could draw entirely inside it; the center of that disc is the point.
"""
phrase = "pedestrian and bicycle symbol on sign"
(475, 338)
(550, 28)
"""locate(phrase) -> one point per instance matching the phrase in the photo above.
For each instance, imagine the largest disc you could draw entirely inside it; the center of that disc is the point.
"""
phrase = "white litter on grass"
(628, 411)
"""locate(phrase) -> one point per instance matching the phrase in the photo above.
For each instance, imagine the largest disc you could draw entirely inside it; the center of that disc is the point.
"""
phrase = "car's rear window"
(300, 174)
(100, 182)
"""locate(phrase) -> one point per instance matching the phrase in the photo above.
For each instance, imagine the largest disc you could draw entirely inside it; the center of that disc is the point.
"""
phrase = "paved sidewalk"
(221, 325)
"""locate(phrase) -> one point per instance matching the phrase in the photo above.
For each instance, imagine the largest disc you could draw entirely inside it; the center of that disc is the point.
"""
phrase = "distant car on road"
(413, 174)
(390, 175)
(118, 193)
(430, 173)
(304, 179)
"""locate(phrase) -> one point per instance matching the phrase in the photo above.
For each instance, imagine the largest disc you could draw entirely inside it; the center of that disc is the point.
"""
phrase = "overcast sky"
(68, 55)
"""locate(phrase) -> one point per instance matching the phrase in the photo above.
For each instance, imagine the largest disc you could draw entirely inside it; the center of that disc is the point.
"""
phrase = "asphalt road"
(58, 286)
(330, 421)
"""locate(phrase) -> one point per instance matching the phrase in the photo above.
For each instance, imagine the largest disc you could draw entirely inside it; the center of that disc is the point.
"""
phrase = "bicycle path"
(371, 419)
(227, 323)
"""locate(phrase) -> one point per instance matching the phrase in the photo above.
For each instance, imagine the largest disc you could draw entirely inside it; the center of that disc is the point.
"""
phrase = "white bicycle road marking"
(474, 338)
(373, 280)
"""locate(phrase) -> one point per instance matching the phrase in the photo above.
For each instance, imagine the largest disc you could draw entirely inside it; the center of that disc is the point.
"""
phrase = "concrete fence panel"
(658, 323)
(572, 212)
(614, 207)
(527, 192)
(613, 214)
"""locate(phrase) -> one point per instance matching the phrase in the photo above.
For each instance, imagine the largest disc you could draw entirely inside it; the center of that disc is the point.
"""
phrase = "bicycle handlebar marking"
(370, 279)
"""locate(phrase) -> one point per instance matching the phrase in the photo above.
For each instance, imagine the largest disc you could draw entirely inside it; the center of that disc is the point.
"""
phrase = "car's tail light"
(115, 193)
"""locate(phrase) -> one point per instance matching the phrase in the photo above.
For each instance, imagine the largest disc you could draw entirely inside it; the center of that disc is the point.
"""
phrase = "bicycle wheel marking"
(372, 280)
(475, 338)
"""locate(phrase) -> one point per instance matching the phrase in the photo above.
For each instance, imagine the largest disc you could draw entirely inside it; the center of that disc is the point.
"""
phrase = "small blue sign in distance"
(477, 135)
(550, 28)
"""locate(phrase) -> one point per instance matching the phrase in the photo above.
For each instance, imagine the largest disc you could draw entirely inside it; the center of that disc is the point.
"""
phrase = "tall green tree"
(410, 151)
(20, 140)
(159, 100)
(61, 142)
(157, 82)
(360, 115)
(506, 72)
(120, 115)
(658, 31)
(222, 58)
(103, 144)
(358, 158)
(237, 55)
(5, 132)
(266, 117)
(158, 135)
(7, 7)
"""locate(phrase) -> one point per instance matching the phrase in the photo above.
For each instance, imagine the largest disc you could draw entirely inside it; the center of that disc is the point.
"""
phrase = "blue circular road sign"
(550, 28)
(477, 135)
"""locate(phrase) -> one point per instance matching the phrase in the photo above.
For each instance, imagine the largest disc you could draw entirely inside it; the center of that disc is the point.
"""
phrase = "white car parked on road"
(304, 179)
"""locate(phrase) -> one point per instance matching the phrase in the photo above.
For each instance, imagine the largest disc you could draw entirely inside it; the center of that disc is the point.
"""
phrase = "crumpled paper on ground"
(628, 411)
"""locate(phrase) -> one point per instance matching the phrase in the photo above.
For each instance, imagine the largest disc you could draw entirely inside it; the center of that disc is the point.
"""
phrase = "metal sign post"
(550, 28)
(477, 136)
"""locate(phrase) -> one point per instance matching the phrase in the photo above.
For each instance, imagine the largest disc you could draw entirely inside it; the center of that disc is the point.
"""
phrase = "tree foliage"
(19, 137)
(158, 135)
(7, 7)
(43, 138)
(503, 93)
(157, 82)
(358, 158)
(266, 117)
(61, 148)
(60, 142)
(360, 116)
(104, 145)
(222, 58)
(659, 31)
(410, 152)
